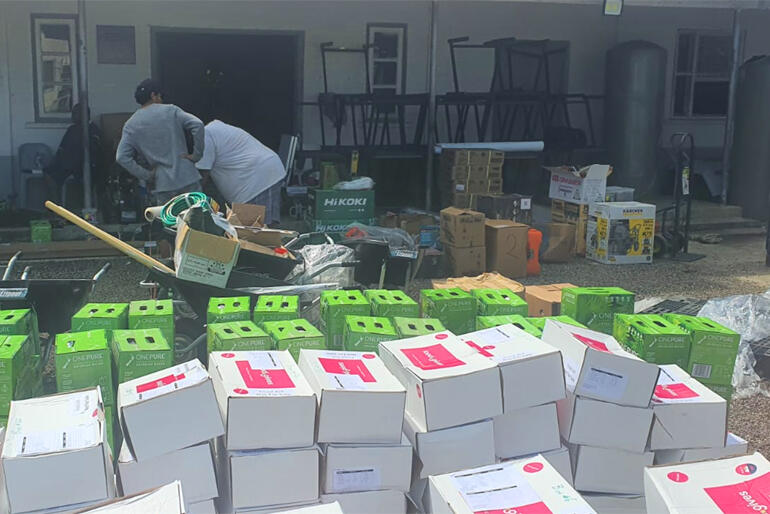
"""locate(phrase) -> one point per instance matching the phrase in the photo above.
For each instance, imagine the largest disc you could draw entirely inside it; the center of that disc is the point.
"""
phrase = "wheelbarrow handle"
(10, 265)
(101, 272)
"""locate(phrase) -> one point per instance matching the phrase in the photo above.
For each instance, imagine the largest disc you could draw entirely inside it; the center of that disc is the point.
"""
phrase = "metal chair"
(33, 158)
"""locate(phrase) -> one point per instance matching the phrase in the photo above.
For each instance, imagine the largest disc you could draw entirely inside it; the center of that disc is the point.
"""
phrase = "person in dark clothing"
(69, 156)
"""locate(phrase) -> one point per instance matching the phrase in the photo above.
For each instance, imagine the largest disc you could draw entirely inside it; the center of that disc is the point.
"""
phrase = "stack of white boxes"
(169, 419)
(167, 499)
(365, 463)
(452, 395)
(267, 458)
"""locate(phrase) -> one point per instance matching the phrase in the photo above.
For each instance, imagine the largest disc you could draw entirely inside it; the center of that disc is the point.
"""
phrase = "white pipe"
(431, 118)
(503, 146)
(83, 99)
(730, 118)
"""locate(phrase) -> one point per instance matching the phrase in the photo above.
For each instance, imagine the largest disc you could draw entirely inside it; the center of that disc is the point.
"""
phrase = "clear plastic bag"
(317, 257)
(357, 184)
(400, 243)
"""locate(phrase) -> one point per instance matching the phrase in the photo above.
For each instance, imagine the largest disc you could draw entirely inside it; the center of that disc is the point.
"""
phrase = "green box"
(83, 360)
(364, 333)
(595, 307)
(387, 303)
(713, 349)
(15, 361)
(723, 390)
(139, 352)
(337, 204)
(539, 322)
(153, 314)
(653, 338)
(335, 305)
(496, 302)
(414, 327)
(517, 320)
(232, 308)
(334, 225)
(454, 307)
(276, 308)
(237, 336)
(294, 335)
(95, 316)
(19, 322)
(40, 231)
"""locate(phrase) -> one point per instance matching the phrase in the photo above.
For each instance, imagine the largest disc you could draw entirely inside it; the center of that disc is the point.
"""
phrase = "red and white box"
(687, 413)
(518, 486)
(386, 501)
(595, 366)
(348, 468)
(531, 371)
(616, 503)
(359, 400)
(166, 499)
(169, 410)
(526, 431)
(734, 445)
(608, 470)
(447, 382)
(738, 485)
(265, 400)
(558, 458)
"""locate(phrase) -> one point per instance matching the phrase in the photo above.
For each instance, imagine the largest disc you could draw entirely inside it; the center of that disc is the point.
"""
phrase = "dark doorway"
(247, 80)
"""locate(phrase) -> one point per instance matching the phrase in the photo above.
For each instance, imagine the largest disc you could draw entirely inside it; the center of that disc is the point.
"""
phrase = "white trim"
(40, 107)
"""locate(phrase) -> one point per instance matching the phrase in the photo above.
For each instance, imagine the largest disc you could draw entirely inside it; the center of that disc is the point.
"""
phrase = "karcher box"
(391, 303)
(540, 322)
(413, 327)
(21, 322)
(95, 316)
(620, 232)
(364, 333)
(83, 360)
(493, 302)
(653, 338)
(516, 320)
(595, 307)
(335, 305)
(237, 335)
(153, 314)
(295, 334)
(276, 308)
(222, 310)
(139, 352)
(454, 307)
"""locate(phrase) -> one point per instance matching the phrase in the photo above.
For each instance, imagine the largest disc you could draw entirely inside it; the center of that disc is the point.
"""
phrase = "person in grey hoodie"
(153, 146)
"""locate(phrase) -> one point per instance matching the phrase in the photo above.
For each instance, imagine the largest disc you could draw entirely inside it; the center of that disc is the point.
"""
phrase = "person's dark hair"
(77, 113)
(145, 89)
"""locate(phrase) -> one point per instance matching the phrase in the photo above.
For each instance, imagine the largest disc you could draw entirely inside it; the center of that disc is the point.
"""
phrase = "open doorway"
(250, 80)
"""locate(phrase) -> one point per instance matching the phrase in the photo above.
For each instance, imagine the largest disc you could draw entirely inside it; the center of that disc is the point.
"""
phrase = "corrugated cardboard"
(545, 300)
(573, 214)
(166, 499)
(561, 243)
(461, 227)
(347, 468)
(248, 220)
(463, 261)
(605, 470)
(483, 281)
(369, 502)
(526, 431)
(584, 185)
(202, 257)
(734, 445)
(620, 232)
(506, 247)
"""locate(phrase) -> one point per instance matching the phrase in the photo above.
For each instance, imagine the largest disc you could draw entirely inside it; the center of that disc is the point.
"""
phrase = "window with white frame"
(702, 74)
(387, 47)
(54, 47)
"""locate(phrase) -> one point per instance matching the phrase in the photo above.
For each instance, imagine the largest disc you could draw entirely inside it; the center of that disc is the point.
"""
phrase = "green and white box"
(495, 302)
(276, 308)
(137, 353)
(335, 305)
(153, 314)
(364, 333)
(454, 307)
(294, 335)
(15, 362)
(21, 322)
(95, 316)
(516, 320)
(233, 308)
(237, 336)
(83, 360)
(389, 303)
(595, 307)
(653, 338)
(540, 322)
(415, 327)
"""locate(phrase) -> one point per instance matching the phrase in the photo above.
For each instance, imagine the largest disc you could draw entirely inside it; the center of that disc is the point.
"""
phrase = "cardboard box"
(517, 321)
(369, 502)
(455, 308)
(558, 458)
(734, 485)
(619, 194)
(713, 349)
(463, 200)
(95, 316)
(450, 449)
(348, 468)
(484, 281)
(466, 261)
(573, 214)
(314, 508)
(561, 243)
(462, 228)
(590, 422)
(222, 310)
(539, 323)
(359, 400)
(180, 400)
(40, 231)
(338, 204)
(620, 233)
(413, 327)
(447, 382)
(607, 470)
(585, 185)
(166, 499)
(248, 220)
(545, 300)
(493, 302)
(82, 360)
(595, 366)
(505, 207)
(734, 445)
(204, 507)
(525, 431)
(192, 466)
(158, 314)
(725, 391)
(21, 322)
(294, 335)
(204, 258)
(15, 355)
(595, 307)
(136, 353)
(276, 308)
(465, 157)
(364, 333)
(335, 225)
(50, 437)
(605, 503)
(237, 336)
(109, 422)
(653, 338)
(681, 403)
(392, 303)
(335, 306)
(506, 243)
(265, 390)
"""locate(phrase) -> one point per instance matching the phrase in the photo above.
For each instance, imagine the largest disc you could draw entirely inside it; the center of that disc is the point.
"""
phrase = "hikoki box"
(166, 499)
(736, 485)
(447, 382)
(680, 404)
(139, 352)
(558, 458)
(609, 470)
(516, 320)
(595, 366)
(237, 336)
(180, 399)
(265, 390)
(455, 308)
(595, 307)
(653, 338)
(391, 303)
(153, 314)
(413, 327)
(494, 302)
(276, 308)
(526, 431)
(21, 322)
(234, 308)
(713, 349)
(95, 316)
(734, 445)
(385, 501)
(526, 485)
(347, 468)
(359, 399)
(83, 359)
(539, 323)
(294, 335)
(365, 333)
(15, 367)
(62, 436)
(335, 306)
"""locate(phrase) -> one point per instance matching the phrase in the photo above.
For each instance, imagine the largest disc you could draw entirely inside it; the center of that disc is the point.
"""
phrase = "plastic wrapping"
(317, 257)
(399, 241)
(357, 184)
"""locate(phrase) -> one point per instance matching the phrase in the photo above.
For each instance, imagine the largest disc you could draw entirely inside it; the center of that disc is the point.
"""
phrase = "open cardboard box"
(247, 219)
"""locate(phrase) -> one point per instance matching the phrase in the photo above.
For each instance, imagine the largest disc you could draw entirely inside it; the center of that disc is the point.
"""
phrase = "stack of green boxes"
(540, 322)
(388, 303)
(517, 320)
(106, 316)
(496, 302)
(455, 308)
(653, 338)
(222, 310)
(595, 307)
(153, 314)
(294, 335)
(237, 336)
(334, 209)
(713, 350)
(335, 306)
(276, 308)
(18, 322)
(364, 333)
(415, 327)
(83, 359)
(19, 376)
(139, 352)
(40, 231)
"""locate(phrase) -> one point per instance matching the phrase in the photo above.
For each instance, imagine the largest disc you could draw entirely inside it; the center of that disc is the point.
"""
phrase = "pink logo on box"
(592, 343)
(432, 357)
(533, 467)
(481, 349)
(750, 496)
(677, 391)
(678, 477)
(532, 508)
(347, 367)
(163, 381)
(264, 378)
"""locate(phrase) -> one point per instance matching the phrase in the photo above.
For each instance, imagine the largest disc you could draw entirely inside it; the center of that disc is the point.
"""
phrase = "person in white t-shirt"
(243, 169)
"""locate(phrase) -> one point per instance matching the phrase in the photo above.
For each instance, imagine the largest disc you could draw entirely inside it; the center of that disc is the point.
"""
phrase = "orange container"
(534, 240)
